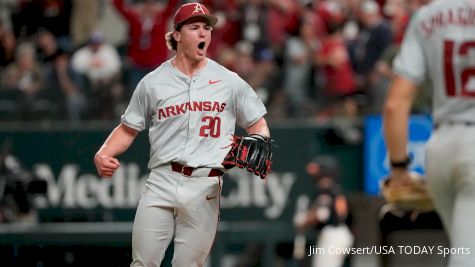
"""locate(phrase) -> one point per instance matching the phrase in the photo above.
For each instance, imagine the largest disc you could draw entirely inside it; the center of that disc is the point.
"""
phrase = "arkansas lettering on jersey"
(179, 109)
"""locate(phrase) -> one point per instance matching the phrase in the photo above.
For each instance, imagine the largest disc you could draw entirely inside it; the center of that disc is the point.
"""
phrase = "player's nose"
(202, 32)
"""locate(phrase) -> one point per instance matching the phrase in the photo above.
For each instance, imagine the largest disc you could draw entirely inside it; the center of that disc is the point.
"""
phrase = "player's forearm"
(395, 132)
(259, 127)
(396, 118)
(118, 141)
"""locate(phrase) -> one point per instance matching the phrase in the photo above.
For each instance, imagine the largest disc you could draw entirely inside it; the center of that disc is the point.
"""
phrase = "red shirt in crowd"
(337, 69)
(147, 47)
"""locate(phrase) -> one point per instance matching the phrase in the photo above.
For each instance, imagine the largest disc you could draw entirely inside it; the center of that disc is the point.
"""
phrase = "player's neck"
(187, 66)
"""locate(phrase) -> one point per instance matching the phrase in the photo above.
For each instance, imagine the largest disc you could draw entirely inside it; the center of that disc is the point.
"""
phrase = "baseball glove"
(413, 196)
(253, 153)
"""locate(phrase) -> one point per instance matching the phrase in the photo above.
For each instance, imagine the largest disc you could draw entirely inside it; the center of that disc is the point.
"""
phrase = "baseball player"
(328, 213)
(191, 104)
(440, 44)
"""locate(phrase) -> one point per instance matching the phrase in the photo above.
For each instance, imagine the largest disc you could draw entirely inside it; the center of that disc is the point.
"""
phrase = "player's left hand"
(253, 153)
(406, 190)
(401, 177)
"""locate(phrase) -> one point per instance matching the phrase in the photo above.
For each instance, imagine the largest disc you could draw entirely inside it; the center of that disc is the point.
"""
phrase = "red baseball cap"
(192, 10)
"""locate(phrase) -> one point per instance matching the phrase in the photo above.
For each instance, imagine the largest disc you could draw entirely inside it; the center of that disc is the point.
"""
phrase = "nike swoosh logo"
(209, 198)
(213, 82)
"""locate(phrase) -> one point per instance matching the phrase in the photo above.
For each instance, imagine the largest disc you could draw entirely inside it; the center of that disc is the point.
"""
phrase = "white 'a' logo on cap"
(198, 9)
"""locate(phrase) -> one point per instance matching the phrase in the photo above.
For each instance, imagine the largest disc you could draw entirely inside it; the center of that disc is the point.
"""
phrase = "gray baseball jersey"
(191, 119)
(440, 43)
(437, 44)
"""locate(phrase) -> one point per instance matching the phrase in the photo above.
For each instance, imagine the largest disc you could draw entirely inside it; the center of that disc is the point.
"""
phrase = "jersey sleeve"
(249, 108)
(136, 114)
(409, 62)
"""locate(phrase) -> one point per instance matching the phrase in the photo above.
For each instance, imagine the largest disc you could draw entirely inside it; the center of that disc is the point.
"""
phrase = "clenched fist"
(106, 165)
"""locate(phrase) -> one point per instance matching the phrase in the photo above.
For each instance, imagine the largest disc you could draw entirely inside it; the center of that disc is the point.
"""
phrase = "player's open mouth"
(201, 47)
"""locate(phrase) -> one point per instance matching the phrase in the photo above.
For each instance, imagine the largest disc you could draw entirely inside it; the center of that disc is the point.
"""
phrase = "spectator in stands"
(7, 46)
(147, 26)
(398, 14)
(24, 78)
(266, 76)
(6, 9)
(228, 57)
(53, 15)
(25, 73)
(58, 78)
(227, 31)
(99, 67)
(56, 19)
(375, 36)
(26, 19)
(282, 19)
(339, 81)
(324, 12)
(254, 24)
(84, 19)
(245, 62)
(297, 70)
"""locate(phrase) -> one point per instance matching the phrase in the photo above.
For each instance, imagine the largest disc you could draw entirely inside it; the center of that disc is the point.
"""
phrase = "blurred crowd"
(77, 60)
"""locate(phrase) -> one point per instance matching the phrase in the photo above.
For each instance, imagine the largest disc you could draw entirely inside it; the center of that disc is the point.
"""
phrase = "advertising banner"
(376, 163)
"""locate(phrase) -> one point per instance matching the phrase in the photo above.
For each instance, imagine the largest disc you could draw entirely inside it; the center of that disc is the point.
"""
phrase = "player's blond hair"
(171, 42)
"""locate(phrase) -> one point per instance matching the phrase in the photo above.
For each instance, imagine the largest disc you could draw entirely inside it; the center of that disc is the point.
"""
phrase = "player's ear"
(176, 35)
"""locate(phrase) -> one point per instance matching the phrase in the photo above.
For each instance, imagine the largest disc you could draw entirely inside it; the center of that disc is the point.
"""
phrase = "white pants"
(172, 205)
(450, 167)
(335, 237)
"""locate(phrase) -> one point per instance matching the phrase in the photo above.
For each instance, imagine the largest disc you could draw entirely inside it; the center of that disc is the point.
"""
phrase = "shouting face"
(193, 39)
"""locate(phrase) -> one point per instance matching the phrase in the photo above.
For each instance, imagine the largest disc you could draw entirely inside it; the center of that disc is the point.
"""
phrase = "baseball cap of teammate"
(192, 10)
